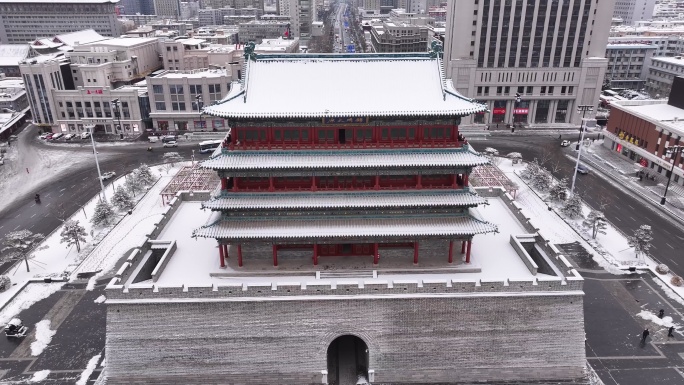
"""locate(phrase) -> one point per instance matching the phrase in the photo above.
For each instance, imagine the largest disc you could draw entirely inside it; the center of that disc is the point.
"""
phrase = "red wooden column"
(313, 184)
(224, 184)
(225, 251)
(376, 254)
(463, 247)
(470, 243)
(222, 255)
(275, 255)
(454, 178)
(235, 184)
(315, 255)
(239, 253)
(420, 182)
(270, 184)
(415, 253)
(377, 182)
(451, 251)
(465, 180)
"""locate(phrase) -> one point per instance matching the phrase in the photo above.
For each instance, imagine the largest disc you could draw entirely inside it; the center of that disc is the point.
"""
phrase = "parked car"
(171, 143)
(85, 135)
(108, 175)
(45, 135)
(56, 136)
(565, 143)
(582, 169)
(69, 136)
(169, 138)
(153, 139)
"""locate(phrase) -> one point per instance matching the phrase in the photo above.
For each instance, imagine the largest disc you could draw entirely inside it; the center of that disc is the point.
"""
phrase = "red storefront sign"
(521, 111)
(99, 92)
(643, 162)
(499, 111)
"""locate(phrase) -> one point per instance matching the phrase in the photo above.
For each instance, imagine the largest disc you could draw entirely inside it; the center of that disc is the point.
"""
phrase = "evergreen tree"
(19, 243)
(641, 240)
(596, 221)
(5, 283)
(133, 184)
(530, 171)
(559, 191)
(573, 207)
(73, 234)
(145, 174)
(541, 180)
(122, 200)
(103, 215)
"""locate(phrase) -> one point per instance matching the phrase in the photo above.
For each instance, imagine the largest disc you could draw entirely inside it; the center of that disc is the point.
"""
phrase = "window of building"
(214, 92)
(542, 114)
(177, 97)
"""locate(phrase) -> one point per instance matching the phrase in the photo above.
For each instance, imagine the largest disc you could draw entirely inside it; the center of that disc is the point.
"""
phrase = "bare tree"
(596, 221)
(19, 243)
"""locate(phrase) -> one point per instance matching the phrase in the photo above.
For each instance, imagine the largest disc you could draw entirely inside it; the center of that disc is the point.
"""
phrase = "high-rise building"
(167, 8)
(531, 62)
(133, 7)
(21, 22)
(634, 10)
(301, 15)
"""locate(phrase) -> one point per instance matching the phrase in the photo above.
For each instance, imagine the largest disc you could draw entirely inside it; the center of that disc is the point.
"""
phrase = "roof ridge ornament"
(249, 51)
(436, 50)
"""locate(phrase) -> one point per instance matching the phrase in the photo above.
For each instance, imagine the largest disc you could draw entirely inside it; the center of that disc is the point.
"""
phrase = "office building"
(21, 21)
(550, 53)
(628, 64)
(631, 11)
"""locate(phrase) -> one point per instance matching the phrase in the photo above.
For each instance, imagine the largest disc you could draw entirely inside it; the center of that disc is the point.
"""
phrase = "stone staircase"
(346, 274)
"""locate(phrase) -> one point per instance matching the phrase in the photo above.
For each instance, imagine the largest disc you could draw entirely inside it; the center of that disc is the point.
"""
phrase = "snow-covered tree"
(559, 191)
(596, 221)
(103, 215)
(172, 158)
(641, 240)
(5, 283)
(145, 174)
(491, 152)
(122, 200)
(18, 244)
(541, 179)
(573, 207)
(133, 184)
(515, 157)
(73, 234)
(530, 171)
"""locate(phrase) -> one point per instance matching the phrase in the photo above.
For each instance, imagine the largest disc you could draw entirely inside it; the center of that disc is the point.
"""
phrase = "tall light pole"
(97, 163)
(517, 100)
(583, 109)
(672, 152)
(199, 109)
(115, 104)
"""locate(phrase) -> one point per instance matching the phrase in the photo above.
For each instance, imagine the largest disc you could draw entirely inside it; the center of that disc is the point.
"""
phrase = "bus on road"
(209, 146)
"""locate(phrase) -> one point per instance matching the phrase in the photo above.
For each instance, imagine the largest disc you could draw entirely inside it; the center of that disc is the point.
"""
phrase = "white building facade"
(661, 74)
(631, 11)
(174, 103)
(550, 53)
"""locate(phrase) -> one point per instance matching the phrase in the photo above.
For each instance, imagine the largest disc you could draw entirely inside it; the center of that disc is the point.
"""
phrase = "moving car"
(582, 169)
(15, 328)
(108, 175)
(565, 143)
(172, 143)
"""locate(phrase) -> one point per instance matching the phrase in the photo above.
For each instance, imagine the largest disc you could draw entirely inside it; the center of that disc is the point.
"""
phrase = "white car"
(565, 143)
(57, 136)
(45, 135)
(108, 175)
(172, 143)
(69, 136)
(85, 135)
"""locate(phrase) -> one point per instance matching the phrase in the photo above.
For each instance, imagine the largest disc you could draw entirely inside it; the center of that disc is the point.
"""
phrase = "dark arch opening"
(347, 361)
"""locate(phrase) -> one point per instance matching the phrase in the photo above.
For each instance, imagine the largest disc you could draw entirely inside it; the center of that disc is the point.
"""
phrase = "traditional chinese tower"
(333, 155)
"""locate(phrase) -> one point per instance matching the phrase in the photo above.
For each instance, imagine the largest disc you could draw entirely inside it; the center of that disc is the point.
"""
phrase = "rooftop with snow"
(175, 262)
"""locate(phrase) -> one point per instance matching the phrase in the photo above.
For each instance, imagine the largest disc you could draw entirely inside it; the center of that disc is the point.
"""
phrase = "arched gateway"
(347, 361)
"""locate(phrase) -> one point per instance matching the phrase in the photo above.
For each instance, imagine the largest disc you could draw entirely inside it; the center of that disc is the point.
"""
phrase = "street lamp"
(672, 152)
(90, 128)
(583, 109)
(117, 112)
(517, 100)
(199, 109)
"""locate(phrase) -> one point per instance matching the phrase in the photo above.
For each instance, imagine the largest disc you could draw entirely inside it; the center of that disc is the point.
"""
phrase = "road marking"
(633, 218)
(72, 186)
(33, 205)
(675, 263)
(2, 226)
(62, 190)
(16, 227)
(630, 206)
(61, 194)
(48, 204)
(618, 219)
(45, 216)
(33, 215)
(18, 215)
(669, 245)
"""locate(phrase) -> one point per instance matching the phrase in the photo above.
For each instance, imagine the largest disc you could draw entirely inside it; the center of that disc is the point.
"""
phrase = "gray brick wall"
(410, 340)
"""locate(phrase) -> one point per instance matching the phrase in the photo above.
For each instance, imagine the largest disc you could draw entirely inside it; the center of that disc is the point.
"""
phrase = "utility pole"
(672, 152)
(583, 109)
(97, 163)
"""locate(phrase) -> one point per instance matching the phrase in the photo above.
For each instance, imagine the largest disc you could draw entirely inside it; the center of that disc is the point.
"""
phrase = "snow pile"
(33, 293)
(43, 337)
(39, 376)
(92, 364)
(100, 299)
(665, 321)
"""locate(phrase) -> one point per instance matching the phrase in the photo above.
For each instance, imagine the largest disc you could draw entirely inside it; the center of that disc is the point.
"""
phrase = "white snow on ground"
(33, 293)
(39, 376)
(92, 364)
(665, 321)
(43, 337)
(129, 233)
(100, 299)
(43, 166)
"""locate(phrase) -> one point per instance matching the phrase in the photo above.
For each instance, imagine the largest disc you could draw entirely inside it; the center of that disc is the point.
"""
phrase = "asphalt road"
(75, 187)
(623, 210)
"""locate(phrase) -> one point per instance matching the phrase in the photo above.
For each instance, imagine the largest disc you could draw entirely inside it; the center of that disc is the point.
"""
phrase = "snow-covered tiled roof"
(260, 160)
(370, 199)
(344, 227)
(317, 86)
(12, 54)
